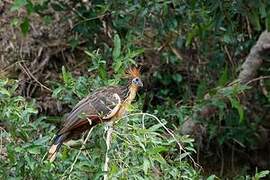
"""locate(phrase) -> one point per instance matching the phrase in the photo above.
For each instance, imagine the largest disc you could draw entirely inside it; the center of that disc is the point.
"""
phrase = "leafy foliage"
(138, 147)
(156, 154)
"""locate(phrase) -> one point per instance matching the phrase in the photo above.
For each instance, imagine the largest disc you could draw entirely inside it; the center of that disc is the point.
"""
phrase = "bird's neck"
(132, 89)
(129, 92)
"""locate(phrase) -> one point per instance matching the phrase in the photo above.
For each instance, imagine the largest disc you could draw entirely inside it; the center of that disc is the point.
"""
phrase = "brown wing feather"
(100, 105)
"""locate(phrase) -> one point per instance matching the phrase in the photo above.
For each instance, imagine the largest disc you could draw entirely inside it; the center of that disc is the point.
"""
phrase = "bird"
(106, 104)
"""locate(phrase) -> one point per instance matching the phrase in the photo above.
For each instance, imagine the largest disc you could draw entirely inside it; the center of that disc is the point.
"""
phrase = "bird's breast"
(122, 111)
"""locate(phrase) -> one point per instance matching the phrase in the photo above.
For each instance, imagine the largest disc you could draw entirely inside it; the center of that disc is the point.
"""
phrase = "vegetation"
(196, 117)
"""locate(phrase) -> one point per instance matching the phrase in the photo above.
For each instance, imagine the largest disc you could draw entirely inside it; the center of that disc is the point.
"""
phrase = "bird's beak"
(140, 84)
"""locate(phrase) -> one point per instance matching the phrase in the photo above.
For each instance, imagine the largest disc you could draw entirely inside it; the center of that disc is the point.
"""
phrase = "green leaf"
(47, 19)
(236, 104)
(42, 140)
(34, 149)
(25, 26)
(160, 159)
(89, 54)
(183, 155)
(177, 78)
(4, 92)
(155, 127)
(114, 169)
(117, 47)
(267, 23)
(67, 77)
(117, 65)
(29, 7)
(261, 174)
(58, 6)
(18, 4)
(255, 20)
(201, 90)
(15, 22)
(224, 77)
(262, 10)
(73, 43)
(189, 38)
(157, 149)
(212, 177)
(135, 53)
(138, 139)
(57, 91)
(227, 39)
(11, 154)
(146, 165)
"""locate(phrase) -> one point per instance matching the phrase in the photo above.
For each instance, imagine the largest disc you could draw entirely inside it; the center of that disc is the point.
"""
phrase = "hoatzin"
(103, 105)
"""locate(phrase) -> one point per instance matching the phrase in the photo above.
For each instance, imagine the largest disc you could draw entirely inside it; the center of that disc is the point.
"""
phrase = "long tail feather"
(58, 141)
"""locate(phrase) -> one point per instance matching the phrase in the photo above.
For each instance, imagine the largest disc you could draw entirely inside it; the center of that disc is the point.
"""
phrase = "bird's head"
(134, 75)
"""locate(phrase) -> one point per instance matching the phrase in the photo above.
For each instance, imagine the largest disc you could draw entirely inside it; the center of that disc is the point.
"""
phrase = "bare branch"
(254, 60)
(108, 145)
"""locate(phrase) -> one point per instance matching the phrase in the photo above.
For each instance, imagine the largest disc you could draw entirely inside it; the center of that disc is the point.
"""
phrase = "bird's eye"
(136, 80)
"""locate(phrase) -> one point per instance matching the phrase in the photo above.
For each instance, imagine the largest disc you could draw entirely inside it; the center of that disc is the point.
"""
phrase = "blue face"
(137, 81)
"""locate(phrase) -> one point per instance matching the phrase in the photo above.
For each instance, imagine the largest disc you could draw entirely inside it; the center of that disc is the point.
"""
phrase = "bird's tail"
(58, 141)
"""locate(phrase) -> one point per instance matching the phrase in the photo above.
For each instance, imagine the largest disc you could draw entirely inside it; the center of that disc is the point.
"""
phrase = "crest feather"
(134, 72)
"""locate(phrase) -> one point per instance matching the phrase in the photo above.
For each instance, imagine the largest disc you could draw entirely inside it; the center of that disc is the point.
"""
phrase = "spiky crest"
(133, 72)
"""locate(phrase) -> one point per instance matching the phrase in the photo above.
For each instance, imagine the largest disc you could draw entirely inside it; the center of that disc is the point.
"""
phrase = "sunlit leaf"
(17, 4)
(117, 47)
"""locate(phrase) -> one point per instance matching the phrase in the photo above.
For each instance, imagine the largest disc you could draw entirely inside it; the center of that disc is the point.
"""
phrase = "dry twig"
(30, 75)
(108, 145)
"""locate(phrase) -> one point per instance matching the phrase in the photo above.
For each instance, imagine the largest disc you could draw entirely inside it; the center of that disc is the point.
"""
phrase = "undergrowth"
(140, 147)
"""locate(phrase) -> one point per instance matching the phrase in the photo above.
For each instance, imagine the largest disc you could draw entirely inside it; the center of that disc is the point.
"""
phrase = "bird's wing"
(101, 105)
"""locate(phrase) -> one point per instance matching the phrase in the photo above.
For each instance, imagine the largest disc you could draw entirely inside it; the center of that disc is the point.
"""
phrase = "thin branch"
(30, 75)
(11, 65)
(108, 145)
(229, 56)
(258, 78)
(89, 19)
(177, 54)
(248, 28)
